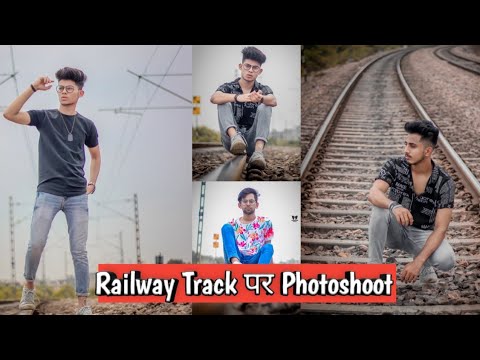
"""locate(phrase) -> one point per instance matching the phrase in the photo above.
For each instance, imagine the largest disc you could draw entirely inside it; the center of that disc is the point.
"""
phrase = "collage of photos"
(239, 154)
(246, 161)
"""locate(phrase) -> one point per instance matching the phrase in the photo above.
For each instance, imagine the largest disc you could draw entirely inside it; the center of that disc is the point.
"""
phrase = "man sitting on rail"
(245, 110)
(416, 214)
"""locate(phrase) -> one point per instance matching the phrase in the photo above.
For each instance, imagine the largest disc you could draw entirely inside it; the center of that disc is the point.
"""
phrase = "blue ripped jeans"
(76, 212)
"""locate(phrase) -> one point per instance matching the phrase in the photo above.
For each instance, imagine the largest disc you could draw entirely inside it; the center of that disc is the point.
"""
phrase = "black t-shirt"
(439, 191)
(244, 112)
(61, 162)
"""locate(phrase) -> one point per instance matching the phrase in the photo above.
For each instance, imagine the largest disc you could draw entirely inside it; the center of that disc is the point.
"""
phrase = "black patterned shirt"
(244, 112)
(439, 191)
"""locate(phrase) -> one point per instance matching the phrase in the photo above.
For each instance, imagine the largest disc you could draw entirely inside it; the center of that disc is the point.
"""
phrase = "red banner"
(307, 283)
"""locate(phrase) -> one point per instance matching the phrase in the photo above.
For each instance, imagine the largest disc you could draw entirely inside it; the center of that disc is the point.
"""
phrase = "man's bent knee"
(268, 248)
(262, 108)
(445, 261)
(226, 106)
(379, 214)
(379, 210)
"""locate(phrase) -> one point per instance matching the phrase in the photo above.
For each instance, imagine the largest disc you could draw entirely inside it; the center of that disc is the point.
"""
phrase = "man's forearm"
(378, 198)
(94, 169)
(432, 244)
(220, 98)
(270, 100)
(17, 104)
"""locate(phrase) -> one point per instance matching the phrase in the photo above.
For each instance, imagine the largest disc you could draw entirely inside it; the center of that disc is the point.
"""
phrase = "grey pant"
(385, 230)
(259, 130)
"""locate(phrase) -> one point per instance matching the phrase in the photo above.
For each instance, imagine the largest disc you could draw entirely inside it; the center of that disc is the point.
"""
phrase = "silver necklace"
(70, 133)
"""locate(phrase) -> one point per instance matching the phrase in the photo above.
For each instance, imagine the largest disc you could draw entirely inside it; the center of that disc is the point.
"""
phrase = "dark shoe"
(391, 260)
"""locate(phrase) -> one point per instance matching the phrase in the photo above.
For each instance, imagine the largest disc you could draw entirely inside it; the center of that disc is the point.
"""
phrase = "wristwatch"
(94, 186)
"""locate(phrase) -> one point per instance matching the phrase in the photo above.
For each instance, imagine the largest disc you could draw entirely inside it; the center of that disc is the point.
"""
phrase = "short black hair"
(253, 53)
(243, 194)
(68, 73)
(426, 129)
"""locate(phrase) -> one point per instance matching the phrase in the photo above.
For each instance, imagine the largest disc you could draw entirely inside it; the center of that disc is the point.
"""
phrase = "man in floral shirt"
(247, 239)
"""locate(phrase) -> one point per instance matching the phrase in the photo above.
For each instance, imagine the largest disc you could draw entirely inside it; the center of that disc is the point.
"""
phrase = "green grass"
(321, 57)
(283, 142)
(8, 292)
(205, 134)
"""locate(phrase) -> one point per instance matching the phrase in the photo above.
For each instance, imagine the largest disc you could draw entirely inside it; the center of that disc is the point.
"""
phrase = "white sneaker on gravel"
(28, 299)
(238, 145)
(257, 160)
(428, 275)
(86, 310)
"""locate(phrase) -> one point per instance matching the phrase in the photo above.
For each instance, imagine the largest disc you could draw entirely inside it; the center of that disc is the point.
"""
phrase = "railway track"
(456, 114)
(363, 130)
(228, 171)
(214, 163)
(463, 53)
(445, 53)
(227, 167)
(10, 307)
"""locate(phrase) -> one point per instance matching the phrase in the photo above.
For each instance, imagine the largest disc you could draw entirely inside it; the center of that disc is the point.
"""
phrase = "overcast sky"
(148, 154)
(278, 201)
(214, 65)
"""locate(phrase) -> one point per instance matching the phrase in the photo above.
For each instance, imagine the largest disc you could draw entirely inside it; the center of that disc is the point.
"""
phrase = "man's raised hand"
(43, 83)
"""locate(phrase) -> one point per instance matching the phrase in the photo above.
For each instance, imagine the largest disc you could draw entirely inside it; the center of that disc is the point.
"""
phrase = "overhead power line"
(10, 76)
(24, 128)
(160, 86)
(184, 74)
(128, 110)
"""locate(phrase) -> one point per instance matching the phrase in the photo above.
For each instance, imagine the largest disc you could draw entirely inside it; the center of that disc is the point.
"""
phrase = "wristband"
(393, 205)
(33, 87)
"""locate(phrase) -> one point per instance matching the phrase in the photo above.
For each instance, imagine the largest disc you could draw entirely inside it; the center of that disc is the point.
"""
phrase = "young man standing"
(245, 110)
(416, 214)
(247, 240)
(61, 183)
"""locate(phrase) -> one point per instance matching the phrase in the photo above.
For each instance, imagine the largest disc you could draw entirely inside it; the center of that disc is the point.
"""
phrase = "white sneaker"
(257, 160)
(86, 310)
(428, 275)
(238, 145)
(28, 299)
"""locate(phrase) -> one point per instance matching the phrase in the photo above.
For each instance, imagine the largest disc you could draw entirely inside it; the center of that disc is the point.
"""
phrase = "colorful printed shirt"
(439, 191)
(252, 236)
